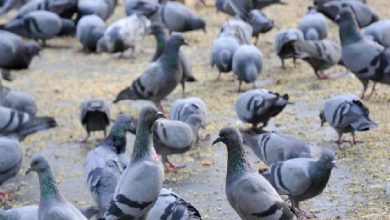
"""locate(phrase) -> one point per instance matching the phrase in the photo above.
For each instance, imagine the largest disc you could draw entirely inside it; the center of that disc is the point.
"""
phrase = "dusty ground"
(62, 78)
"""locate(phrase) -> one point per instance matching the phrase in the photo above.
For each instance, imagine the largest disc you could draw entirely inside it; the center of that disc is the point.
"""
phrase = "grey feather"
(379, 32)
(95, 115)
(182, 109)
(241, 30)
(11, 4)
(314, 25)
(90, 29)
(11, 159)
(21, 213)
(101, 8)
(20, 101)
(247, 63)
(273, 147)
(64, 8)
(148, 8)
(285, 43)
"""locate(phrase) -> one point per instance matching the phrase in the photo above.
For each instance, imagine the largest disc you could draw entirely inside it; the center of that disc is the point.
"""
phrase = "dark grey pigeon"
(185, 64)
(320, 54)
(106, 163)
(175, 137)
(319, 2)
(11, 4)
(170, 206)
(225, 7)
(53, 204)
(245, 6)
(148, 8)
(15, 54)
(249, 193)
(64, 8)
(124, 34)
(259, 106)
(179, 18)
(379, 32)
(90, 29)
(101, 8)
(273, 147)
(160, 78)
(21, 213)
(346, 114)
(259, 22)
(301, 178)
(247, 64)
(20, 101)
(144, 174)
(368, 60)
(314, 25)
(285, 44)
(95, 115)
(364, 15)
(222, 51)
(40, 24)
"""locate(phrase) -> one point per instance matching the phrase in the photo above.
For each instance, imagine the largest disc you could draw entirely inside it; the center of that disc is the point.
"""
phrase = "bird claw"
(171, 168)
(84, 140)
(4, 195)
(324, 77)
(205, 138)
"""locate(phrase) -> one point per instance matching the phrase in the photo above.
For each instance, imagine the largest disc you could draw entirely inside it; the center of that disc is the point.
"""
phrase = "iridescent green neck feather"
(143, 144)
(237, 163)
(117, 139)
(349, 32)
(48, 186)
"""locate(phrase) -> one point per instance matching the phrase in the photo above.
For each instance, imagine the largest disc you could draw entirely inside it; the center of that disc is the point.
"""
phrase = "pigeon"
(20, 101)
(124, 34)
(175, 137)
(222, 51)
(314, 25)
(241, 30)
(273, 147)
(379, 32)
(63, 8)
(20, 124)
(346, 114)
(101, 8)
(40, 24)
(144, 174)
(364, 15)
(15, 53)
(285, 44)
(320, 54)
(182, 109)
(249, 194)
(370, 65)
(319, 2)
(160, 77)
(259, 22)
(185, 64)
(301, 178)
(247, 64)
(260, 105)
(21, 213)
(233, 7)
(52, 203)
(170, 206)
(148, 8)
(90, 29)
(95, 115)
(11, 4)
(178, 18)
(106, 162)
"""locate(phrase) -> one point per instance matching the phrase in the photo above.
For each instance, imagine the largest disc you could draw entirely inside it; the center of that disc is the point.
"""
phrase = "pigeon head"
(32, 49)
(345, 14)
(124, 122)
(327, 157)
(195, 122)
(176, 40)
(148, 116)
(104, 45)
(38, 164)
(68, 28)
(198, 23)
(156, 29)
(228, 136)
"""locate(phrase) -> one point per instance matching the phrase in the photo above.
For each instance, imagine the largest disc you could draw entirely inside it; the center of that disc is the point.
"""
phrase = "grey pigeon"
(320, 54)
(185, 64)
(182, 109)
(95, 115)
(178, 18)
(379, 32)
(106, 162)
(272, 147)
(15, 53)
(233, 7)
(101, 8)
(249, 194)
(21, 213)
(259, 106)
(170, 206)
(319, 2)
(241, 30)
(346, 114)
(11, 4)
(285, 44)
(301, 178)
(90, 29)
(222, 51)
(364, 15)
(124, 34)
(21, 124)
(160, 77)
(148, 8)
(144, 174)
(368, 60)
(247, 64)
(314, 25)
(64, 8)
(52, 203)
(20, 101)
(259, 22)
(175, 137)
(40, 24)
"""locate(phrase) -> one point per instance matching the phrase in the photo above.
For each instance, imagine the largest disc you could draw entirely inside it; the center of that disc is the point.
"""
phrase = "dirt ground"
(61, 78)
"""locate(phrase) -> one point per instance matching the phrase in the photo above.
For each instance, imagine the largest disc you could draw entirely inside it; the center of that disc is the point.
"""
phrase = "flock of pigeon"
(126, 187)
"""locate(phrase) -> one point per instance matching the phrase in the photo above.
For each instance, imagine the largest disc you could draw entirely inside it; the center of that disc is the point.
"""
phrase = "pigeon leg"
(219, 76)
(170, 167)
(322, 76)
(4, 195)
(283, 65)
(239, 86)
(354, 141)
(373, 90)
(295, 62)
(256, 40)
(183, 86)
(85, 140)
(365, 86)
(339, 140)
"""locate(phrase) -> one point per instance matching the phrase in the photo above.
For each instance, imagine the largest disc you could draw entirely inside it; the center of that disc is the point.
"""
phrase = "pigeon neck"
(320, 173)
(143, 145)
(117, 139)
(170, 56)
(237, 160)
(349, 32)
(160, 44)
(48, 186)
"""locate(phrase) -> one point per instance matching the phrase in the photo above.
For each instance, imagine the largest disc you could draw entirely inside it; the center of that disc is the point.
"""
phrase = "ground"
(61, 78)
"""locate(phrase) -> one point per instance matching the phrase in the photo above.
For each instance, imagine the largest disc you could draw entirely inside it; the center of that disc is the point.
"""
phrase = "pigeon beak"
(161, 115)
(337, 18)
(203, 126)
(186, 43)
(334, 164)
(28, 171)
(217, 140)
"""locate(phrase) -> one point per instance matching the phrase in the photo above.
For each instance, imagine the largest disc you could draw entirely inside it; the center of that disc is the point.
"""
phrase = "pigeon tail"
(364, 124)
(251, 73)
(312, 34)
(35, 125)
(224, 59)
